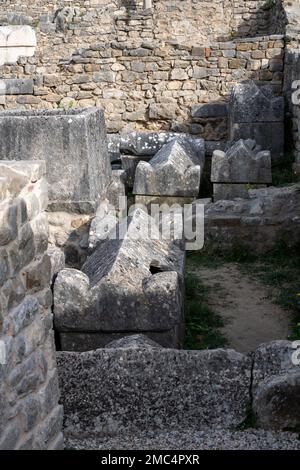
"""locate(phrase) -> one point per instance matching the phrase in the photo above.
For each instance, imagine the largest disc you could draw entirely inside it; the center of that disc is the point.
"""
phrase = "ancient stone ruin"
(137, 138)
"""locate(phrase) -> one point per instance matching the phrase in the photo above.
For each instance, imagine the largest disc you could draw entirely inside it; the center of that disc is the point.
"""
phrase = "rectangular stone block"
(207, 388)
(72, 143)
(232, 191)
(16, 86)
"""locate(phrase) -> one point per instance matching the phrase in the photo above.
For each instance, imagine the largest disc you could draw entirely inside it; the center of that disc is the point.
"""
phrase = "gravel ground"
(251, 439)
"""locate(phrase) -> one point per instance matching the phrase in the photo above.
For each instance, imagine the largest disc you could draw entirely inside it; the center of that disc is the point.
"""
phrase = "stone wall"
(292, 74)
(145, 68)
(30, 417)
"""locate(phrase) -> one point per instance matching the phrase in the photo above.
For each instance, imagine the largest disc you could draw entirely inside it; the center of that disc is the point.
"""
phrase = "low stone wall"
(134, 386)
(30, 417)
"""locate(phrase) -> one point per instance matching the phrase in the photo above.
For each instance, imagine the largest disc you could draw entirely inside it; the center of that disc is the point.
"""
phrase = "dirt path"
(250, 317)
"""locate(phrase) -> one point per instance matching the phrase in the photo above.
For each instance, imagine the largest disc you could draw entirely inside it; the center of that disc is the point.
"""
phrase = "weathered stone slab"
(269, 136)
(131, 283)
(141, 143)
(244, 162)
(16, 86)
(231, 191)
(256, 113)
(207, 388)
(276, 402)
(210, 110)
(175, 170)
(130, 163)
(251, 103)
(73, 144)
(276, 386)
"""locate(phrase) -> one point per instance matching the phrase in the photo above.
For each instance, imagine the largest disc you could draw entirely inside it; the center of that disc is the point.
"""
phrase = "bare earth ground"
(250, 316)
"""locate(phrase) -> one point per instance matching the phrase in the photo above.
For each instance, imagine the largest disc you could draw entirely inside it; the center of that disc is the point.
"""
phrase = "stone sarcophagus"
(174, 171)
(132, 282)
(73, 144)
(242, 167)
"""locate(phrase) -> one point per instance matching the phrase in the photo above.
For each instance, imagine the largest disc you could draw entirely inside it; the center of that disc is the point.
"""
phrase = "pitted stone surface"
(175, 170)
(153, 389)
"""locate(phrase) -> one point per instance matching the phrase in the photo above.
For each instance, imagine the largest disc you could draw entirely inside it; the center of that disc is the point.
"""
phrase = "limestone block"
(129, 164)
(210, 110)
(16, 86)
(256, 113)
(132, 282)
(143, 144)
(251, 103)
(209, 388)
(16, 41)
(72, 143)
(175, 170)
(276, 386)
(230, 191)
(244, 162)
(276, 402)
(268, 135)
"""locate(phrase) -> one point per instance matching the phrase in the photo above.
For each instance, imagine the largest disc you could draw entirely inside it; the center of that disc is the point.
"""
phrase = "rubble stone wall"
(30, 417)
(145, 68)
(292, 74)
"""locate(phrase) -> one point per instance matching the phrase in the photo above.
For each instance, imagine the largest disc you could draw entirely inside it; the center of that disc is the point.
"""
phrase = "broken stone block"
(276, 385)
(117, 189)
(276, 402)
(129, 164)
(207, 389)
(256, 113)
(73, 145)
(175, 170)
(144, 144)
(244, 162)
(132, 282)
